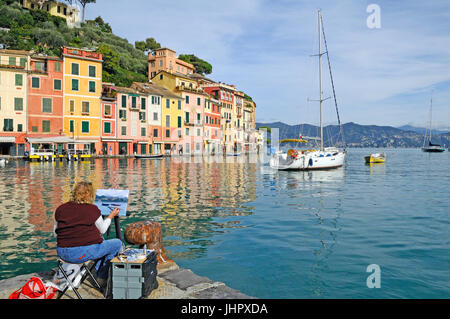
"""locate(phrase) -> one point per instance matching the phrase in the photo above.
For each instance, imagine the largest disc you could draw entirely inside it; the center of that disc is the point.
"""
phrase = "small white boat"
(293, 159)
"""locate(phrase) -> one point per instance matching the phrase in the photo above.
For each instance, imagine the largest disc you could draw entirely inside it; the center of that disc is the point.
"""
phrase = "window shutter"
(46, 105)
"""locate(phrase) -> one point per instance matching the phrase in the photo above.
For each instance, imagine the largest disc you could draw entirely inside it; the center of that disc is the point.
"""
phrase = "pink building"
(132, 128)
(110, 145)
(194, 115)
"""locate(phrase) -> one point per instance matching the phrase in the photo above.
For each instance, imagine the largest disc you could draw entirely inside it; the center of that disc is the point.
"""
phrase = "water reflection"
(317, 197)
(192, 201)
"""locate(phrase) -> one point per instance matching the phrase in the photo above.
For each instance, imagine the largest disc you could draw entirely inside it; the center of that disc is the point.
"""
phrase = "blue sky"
(382, 76)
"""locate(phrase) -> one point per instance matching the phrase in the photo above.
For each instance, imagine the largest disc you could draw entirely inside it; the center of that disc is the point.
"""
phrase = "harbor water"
(268, 234)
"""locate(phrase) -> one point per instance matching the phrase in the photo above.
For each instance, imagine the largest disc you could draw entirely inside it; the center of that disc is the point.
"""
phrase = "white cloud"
(382, 76)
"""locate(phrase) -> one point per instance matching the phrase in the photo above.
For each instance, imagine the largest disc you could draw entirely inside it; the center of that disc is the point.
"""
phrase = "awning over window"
(7, 139)
(50, 140)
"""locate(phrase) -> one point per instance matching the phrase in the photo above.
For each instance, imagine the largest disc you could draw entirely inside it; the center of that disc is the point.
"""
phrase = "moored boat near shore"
(375, 158)
(323, 157)
(431, 148)
(157, 156)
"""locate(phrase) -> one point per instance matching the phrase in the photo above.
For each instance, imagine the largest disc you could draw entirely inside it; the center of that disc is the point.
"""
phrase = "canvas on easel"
(108, 199)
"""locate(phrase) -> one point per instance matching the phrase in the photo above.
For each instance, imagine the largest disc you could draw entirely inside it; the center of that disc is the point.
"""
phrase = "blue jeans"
(77, 255)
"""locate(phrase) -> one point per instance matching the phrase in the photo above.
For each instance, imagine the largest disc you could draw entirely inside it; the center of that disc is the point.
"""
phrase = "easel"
(117, 225)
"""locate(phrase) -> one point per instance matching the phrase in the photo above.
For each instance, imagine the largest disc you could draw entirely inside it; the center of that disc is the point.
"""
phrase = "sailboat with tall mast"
(324, 157)
(430, 147)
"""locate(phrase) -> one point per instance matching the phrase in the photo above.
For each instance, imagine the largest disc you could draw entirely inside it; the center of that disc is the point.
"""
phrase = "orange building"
(166, 59)
(212, 135)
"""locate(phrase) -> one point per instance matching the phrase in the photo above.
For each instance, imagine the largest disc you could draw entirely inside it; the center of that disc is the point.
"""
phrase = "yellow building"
(59, 9)
(249, 126)
(169, 107)
(82, 97)
(14, 68)
(193, 106)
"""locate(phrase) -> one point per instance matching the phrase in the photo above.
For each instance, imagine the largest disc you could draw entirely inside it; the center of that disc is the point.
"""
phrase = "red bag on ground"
(34, 289)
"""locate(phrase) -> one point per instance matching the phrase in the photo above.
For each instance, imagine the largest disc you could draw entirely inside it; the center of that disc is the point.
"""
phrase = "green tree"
(111, 62)
(149, 45)
(83, 4)
(102, 25)
(201, 66)
(248, 98)
(49, 38)
(140, 45)
(39, 31)
(152, 45)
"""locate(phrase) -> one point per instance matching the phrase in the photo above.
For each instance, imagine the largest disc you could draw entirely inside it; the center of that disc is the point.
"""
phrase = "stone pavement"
(174, 283)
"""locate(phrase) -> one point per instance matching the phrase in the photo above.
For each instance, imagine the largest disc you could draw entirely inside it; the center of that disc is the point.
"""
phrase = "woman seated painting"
(79, 226)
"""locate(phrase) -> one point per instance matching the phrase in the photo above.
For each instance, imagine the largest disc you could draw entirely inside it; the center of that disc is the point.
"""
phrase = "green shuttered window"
(75, 84)
(46, 126)
(46, 105)
(18, 104)
(75, 69)
(35, 83)
(85, 127)
(57, 85)
(92, 71)
(92, 86)
(8, 125)
(107, 127)
(19, 80)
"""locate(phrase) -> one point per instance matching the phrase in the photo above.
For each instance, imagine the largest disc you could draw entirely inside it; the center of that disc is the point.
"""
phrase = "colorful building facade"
(132, 127)
(56, 8)
(14, 68)
(109, 143)
(165, 59)
(250, 136)
(82, 96)
(193, 104)
(238, 121)
(212, 132)
(167, 131)
(45, 97)
(63, 101)
(225, 95)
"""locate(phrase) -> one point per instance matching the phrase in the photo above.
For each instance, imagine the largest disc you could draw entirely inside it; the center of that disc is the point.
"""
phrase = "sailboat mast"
(320, 82)
(431, 113)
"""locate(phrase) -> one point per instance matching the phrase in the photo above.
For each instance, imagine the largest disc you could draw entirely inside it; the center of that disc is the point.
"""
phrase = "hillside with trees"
(37, 30)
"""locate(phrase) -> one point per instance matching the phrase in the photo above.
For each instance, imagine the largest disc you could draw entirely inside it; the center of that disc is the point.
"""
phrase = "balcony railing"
(82, 53)
(191, 89)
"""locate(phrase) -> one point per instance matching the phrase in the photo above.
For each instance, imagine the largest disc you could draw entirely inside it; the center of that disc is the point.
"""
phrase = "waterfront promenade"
(173, 283)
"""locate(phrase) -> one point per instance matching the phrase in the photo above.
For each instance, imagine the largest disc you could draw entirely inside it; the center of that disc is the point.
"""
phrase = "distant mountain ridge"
(357, 135)
(421, 130)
